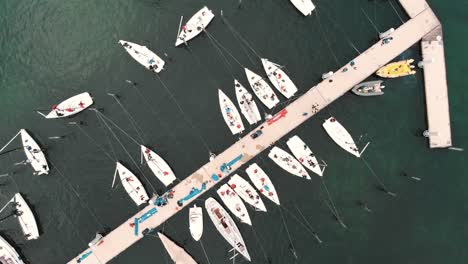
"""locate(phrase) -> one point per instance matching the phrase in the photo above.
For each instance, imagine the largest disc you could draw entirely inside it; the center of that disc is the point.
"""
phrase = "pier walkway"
(246, 148)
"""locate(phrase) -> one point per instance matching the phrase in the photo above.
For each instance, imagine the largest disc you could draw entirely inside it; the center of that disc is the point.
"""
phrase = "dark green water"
(53, 49)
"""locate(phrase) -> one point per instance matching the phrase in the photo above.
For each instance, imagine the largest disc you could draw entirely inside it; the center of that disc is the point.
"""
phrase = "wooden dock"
(246, 148)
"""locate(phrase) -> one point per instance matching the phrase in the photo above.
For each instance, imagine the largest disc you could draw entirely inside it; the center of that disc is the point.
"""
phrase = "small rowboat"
(262, 182)
(8, 254)
(144, 56)
(25, 218)
(371, 88)
(196, 222)
(234, 203)
(177, 254)
(34, 154)
(304, 155)
(279, 78)
(305, 6)
(288, 163)
(261, 89)
(230, 114)
(246, 192)
(195, 25)
(341, 136)
(247, 105)
(158, 166)
(397, 69)
(132, 185)
(71, 106)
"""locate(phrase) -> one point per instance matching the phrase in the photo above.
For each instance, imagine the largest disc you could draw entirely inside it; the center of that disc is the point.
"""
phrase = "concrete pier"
(212, 173)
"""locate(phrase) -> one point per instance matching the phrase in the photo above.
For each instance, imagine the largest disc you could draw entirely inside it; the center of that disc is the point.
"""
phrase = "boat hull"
(341, 136)
(397, 69)
(261, 89)
(71, 106)
(8, 254)
(196, 222)
(177, 253)
(195, 25)
(372, 88)
(132, 185)
(288, 162)
(34, 153)
(246, 104)
(304, 155)
(262, 182)
(158, 166)
(246, 192)
(26, 218)
(144, 56)
(230, 114)
(304, 6)
(279, 79)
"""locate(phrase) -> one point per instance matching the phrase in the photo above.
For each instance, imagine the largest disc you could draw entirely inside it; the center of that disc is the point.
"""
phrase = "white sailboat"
(288, 163)
(341, 136)
(34, 154)
(177, 254)
(158, 166)
(262, 182)
(226, 226)
(234, 203)
(196, 222)
(144, 56)
(246, 103)
(26, 218)
(8, 254)
(305, 6)
(131, 184)
(195, 25)
(230, 114)
(304, 155)
(261, 89)
(71, 106)
(246, 192)
(279, 78)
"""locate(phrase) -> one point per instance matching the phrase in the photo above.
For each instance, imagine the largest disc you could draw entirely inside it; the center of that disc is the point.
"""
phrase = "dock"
(318, 97)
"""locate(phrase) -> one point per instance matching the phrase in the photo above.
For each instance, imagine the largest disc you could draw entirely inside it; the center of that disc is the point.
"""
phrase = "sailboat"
(131, 184)
(304, 155)
(246, 192)
(247, 105)
(261, 89)
(196, 222)
(288, 163)
(279, 78)
(341, 136)
(70, 106)
(230, 114)
(34, 154)
(144, 56)
(195, 25)
(177, 254)
(226, 226)
(305, 6)
(158, 166)
(8, 254)
(262, 182)
(26, 218)
(234, 203)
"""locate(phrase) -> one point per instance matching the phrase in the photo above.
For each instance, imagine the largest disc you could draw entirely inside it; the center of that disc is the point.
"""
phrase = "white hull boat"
(261, 89)
(304, 155)
(288, 162)
(234, 203)
(26, 218)
(279, 78)
(71, 106)
(177, 254)
(305, 6)
(226, 226)
(34, 154)
(247, 192)
(132, 185)
(262, 182)
(195, 25)
(8, 254)
(247, 104)
(341, 136)
(196, 222)
(230, 114)
(144, 56)
(158, 166)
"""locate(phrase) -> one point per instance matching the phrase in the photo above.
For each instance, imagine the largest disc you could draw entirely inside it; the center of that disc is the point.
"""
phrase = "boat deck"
(210, 174)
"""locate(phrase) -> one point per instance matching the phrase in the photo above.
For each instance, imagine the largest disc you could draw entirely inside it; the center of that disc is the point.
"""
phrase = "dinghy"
(71, 106)
(8, 254)
(195, 25)
(34, 154)
(341, 136)
(234, 203)
(196, 222)
(397, 69)
(177, 254)
(279, 78)
(131, 184)
(372, 88)
(261, 89)
(144, 56)
(158, 166)
(246, 192)
(305, 6)
(288, 163)
(226, 226)
(262, 182)
(247, 105)
(26, 218)
(304, 155)
(230, 114)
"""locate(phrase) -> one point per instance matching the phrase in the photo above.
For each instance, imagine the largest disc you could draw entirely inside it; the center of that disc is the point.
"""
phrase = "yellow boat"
(397, 69)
